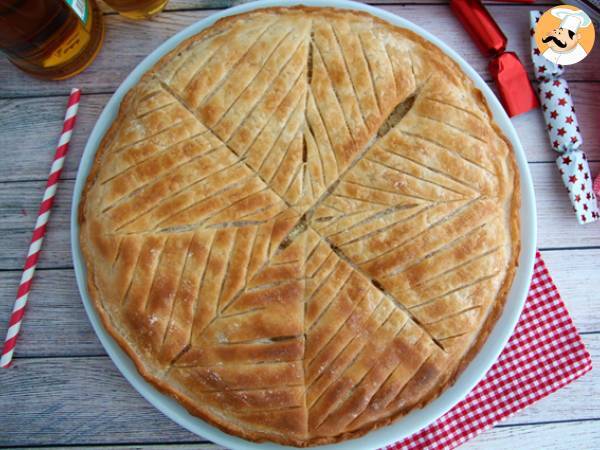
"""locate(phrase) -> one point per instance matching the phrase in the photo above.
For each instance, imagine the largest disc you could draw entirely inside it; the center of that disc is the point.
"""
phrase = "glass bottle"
(51, 39)
(137, 9)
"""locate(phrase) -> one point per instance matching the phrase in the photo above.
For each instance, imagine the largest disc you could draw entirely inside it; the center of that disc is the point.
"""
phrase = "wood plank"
(557, 224)
(532, 129)
(78, 401)
(194, 446)
(178, 5)
(552, 436)
(56, 323)
(30, 128)
(86, 401)
(127, 42)
(19, 202)
(177, 446)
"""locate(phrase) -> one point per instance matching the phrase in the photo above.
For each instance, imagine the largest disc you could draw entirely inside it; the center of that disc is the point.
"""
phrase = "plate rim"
(416, 419)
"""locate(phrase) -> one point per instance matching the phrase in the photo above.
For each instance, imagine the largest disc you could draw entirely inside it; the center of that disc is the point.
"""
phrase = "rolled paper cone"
(480, 25)
(559, 114)
(515, 90)
(563, 131)
(555, 97)
(575, 173)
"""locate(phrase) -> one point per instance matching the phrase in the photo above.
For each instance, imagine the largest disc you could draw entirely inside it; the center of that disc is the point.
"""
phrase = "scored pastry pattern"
(300, 224)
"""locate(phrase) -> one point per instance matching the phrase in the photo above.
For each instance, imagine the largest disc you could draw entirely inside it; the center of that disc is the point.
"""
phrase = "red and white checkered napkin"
(544, 354)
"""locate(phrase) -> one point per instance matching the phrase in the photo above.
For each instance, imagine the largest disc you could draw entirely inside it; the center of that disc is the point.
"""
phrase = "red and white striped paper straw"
(16, 318)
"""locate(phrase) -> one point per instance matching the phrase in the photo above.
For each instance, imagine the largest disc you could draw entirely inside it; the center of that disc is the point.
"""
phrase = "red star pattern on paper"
(563, 130)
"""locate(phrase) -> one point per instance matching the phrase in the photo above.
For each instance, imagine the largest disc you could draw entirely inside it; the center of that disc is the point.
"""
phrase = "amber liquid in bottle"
(49, 38)
(137, 9)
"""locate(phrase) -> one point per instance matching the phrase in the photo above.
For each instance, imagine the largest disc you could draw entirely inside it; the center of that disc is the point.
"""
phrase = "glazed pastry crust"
(303, 224)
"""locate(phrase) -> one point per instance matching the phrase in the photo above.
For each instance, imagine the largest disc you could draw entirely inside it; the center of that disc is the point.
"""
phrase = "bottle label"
(79, 7)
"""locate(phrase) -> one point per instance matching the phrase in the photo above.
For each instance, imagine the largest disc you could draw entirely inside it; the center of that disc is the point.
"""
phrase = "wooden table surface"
(64, 391)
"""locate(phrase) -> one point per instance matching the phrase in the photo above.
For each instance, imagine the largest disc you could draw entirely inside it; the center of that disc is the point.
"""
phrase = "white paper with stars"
(563, 131)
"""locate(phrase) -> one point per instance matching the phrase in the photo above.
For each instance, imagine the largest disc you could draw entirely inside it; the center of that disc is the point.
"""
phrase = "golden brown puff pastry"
(302, 224)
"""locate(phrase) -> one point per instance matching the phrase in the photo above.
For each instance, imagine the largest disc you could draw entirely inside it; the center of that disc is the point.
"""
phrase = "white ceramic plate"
(416, 419)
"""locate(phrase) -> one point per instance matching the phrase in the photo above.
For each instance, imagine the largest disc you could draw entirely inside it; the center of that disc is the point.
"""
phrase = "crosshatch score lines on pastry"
(302, 224)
